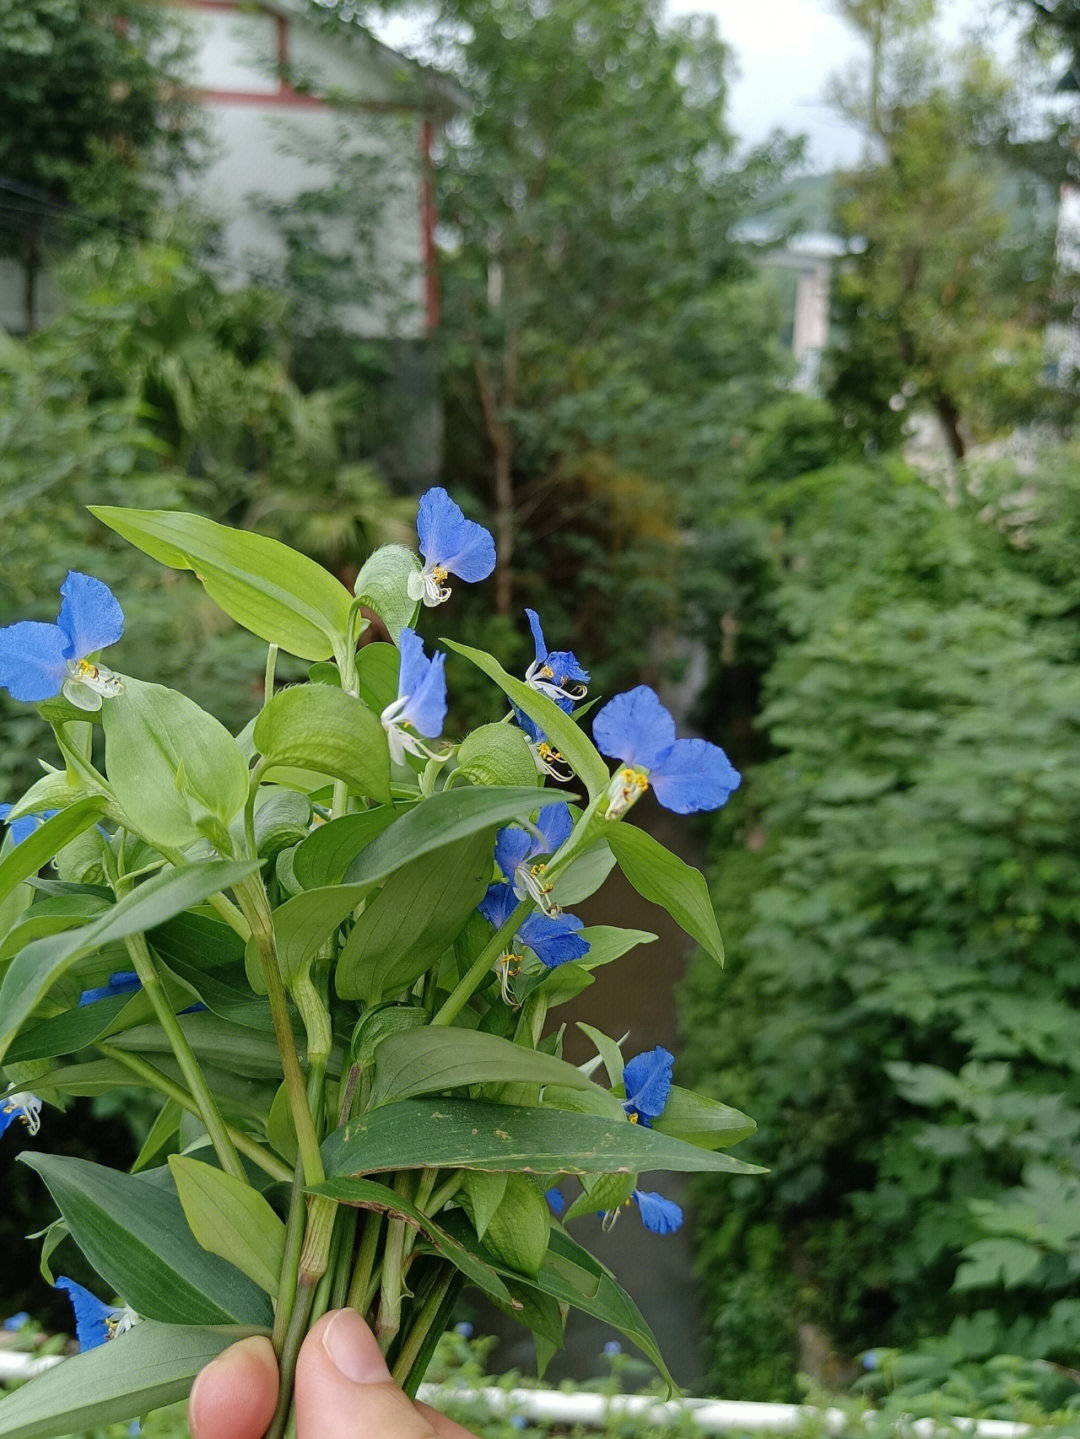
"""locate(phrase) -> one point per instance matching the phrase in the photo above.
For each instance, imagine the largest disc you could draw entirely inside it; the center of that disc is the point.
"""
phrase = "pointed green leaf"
(467, 1134)
(322, 729)
(304, 923)
(666, 880)
(24, 860)
(135, 1235)
(480, 1196)
(377, 667)
(276, 593)
(422, 1061)
(36, 968)
(445, 818)
(497, 754)
(149, 1366)
(419, 911)
(325, 855)
(231, 1219)
(571, 742)
(704, 1121)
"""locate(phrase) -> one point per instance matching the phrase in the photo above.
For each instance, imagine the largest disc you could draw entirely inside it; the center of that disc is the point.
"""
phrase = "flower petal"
(693, 775)
(555, 823)
(414, 664)
(123, 982)
(498, 904)
(90, 615)
(556, 1200)
(451, 541)
(659, 1215)
(33, 664)
(23, 827)
(537, 634)
(647, 1078)
(566, 668)
(513, 846)
(554, 940)
(426, 709)
(91, 1316)
(635, 727)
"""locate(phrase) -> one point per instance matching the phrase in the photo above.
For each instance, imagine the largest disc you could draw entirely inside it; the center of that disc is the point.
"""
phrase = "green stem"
(445, 1193)
(423, 1194)
(388, 1320)
(139, 950)
(256, 909)
(290, 1260)
(365, 1264)
(290, 1349)
(268, 679)
(481, 966)
(348, 1220)
(267, 1162)
(414, 1341)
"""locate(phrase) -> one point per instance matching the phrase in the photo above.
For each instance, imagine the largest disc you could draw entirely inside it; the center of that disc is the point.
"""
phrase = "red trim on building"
(428, 219)
(284, 98)
(207, 4)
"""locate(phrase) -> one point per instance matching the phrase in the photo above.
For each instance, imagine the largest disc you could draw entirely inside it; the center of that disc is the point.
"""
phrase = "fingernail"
(235, 1359)
(353, 1350)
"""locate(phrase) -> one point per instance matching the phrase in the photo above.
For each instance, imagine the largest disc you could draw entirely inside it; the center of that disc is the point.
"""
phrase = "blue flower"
(556, 1200)
(465, 1329)
(515, 848)
(421, 700)
(518, 1421)
(24, 1106)
(37, 660)
(553, 939)
(555, 673)
(612, 1348)
(23, 827)
(659, 1215)
(450, 545)
(14, 1322)
(870, 1360)
(547, 757)
(686, 774)
(95, 1323)
(647, 1081)
(125, 982)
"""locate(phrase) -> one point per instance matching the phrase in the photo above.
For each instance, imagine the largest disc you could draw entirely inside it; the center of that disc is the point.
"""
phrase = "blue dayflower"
(547, 757)
(556, 1200)
(421, 700)
(519, 852)
(659, 1215)
(552, 938)
(450, 545)
(612, 1349)
(464, 1328)
(23, 827)
(95, 1323)
(14, 1322)
(686, 774)
(647, 1081)
(555, 673)
(22, 1105)
(37, 660)
(124, 982)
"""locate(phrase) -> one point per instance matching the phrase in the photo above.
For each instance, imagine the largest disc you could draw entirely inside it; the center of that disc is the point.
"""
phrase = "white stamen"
(626, 788)
(27, 1106)
(87, 684)
(398, 737)
(428, 585)
(540, 678)
(120, 1321)
(529, 884)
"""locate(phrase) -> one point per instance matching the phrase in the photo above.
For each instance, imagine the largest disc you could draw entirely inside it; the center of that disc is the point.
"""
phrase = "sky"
(785, 51)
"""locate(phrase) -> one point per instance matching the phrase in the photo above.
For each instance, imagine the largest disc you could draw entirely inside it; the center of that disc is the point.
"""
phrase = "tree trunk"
(949, 416)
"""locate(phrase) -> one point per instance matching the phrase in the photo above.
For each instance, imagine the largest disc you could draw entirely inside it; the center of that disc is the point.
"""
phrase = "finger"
(235, 1395)
(444, 1427)
(344, 1389)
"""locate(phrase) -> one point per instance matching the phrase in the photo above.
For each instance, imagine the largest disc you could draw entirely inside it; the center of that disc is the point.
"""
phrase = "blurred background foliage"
(884, 637)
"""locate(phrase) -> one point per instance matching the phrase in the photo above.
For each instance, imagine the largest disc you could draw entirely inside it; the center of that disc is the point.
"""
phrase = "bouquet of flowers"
(329, 948)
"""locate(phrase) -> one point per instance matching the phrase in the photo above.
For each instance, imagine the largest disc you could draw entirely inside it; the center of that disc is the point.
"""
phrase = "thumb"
(344, 1389)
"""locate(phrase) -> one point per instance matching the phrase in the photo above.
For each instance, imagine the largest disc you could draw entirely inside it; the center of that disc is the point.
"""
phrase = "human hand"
(343, 1390)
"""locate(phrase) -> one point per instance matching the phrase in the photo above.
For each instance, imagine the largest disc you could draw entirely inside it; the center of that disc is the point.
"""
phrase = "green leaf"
(306, 921)
(322, 729)
(377, 667)
(52, 916)
(160, 1138)
(518, 1231)
(467, 1134)
(704, 1121)
(418, 912)
(249, 1052)
(226, 994)
(445, 818)
(231, 1219)
(325, 855)
(277, 594)
(582, 876)
(497, 754)
(382, 585)
(36, 968)
(135, 1235)
(608, 1051)
(571, 742)
(170, 763)
(73, 1030)
(480, 1196)
(419, 1062)
(24, 860)
(662, 877)
(368, 1194)
(149, 1366)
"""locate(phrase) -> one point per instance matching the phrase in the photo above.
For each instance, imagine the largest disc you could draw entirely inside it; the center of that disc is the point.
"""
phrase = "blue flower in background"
(124, 982)
(686, 774)
(95, 1323)
(24, 1106)
(14, 1322)
(23, 827)
(421, 700)
(556, 1200)
(659, 1215)
(647, 1081)
(553, 939)
(555, 673)
(612, 1348)
(37, 660)
(518, 852)
(450, 545)
(465, 1329)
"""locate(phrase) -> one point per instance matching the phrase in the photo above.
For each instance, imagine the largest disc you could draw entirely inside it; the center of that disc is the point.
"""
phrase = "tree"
(92, 111)
(944, 298)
